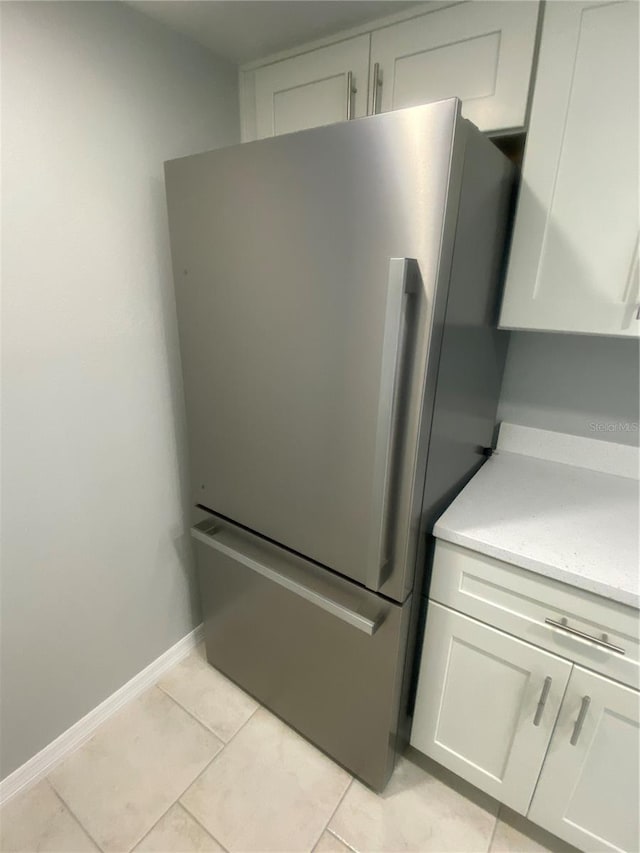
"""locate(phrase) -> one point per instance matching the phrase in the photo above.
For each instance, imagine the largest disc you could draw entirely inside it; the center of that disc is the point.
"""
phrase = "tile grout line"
(195, 819)
(495, 827)
(197, 719)
(72, 813)
(341, 840)
(179, 801)
(194, 780)
(208, 831)
(193, 716)
(66, 805)
(325, 828)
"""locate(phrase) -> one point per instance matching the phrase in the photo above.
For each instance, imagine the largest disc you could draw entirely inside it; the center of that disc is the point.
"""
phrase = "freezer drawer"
(322, 653)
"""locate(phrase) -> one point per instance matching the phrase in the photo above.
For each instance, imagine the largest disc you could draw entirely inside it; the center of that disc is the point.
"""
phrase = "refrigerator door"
(305, 270)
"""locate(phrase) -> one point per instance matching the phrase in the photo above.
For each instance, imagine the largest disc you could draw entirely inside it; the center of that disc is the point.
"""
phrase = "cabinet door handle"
(351, 90)
(546, 687)
(631, 291)
(584, 707)
(599, 641)
(375, 86)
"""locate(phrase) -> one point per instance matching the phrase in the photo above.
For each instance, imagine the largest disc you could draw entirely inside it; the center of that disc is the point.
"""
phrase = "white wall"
(581, 384)
(96, 574)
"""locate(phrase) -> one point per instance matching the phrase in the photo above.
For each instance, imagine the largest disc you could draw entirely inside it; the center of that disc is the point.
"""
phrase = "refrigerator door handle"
(403, 280)
(352, 617)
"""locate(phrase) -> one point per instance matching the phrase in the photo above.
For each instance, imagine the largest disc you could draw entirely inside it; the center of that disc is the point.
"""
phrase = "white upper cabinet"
(481, 52)
(588, 792)
(574, 259)
(320, 87)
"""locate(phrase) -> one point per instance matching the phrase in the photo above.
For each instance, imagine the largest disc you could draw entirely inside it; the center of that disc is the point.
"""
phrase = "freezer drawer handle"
(563, 626)
(362, 623)
(403, 280)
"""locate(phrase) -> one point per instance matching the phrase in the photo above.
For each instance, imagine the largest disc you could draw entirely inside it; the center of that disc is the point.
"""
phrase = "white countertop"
(570, 522)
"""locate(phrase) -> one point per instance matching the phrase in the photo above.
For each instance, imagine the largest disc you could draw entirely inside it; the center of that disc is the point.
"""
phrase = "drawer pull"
(546, 687)
(562, 626)
(584, 707)
(352, 617)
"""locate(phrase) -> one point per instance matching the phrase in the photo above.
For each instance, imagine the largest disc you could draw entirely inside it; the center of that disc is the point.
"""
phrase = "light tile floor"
(194, 764)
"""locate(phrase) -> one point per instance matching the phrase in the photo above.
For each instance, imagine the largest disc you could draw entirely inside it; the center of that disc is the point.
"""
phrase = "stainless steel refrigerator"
(337, 295)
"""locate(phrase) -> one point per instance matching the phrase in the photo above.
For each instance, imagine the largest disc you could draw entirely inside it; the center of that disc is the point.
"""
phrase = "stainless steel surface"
(461, 386)
(234, 543)
(280, 251)
(332, 682)
(563, 625)
(546, 687)
(460, 402)
(375, 88)
(584, 708)
(350, 93)
(402, 282)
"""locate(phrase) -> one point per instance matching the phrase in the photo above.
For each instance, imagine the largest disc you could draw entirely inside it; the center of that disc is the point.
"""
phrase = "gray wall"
(580, 384)
(96, 581)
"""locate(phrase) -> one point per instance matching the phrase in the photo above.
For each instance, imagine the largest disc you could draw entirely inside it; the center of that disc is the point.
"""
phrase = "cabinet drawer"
(520, 602)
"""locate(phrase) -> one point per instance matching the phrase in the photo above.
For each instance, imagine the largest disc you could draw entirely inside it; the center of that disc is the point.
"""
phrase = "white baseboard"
(43, 762)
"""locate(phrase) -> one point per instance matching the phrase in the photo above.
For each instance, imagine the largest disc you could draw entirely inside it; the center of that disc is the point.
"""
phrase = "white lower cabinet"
(588, 792)
(487, 704)
(548, 737)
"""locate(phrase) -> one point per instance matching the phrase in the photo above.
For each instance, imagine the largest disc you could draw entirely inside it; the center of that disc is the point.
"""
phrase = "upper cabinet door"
(481, 52)
(320, 87)
(574, 258)
(588, 791)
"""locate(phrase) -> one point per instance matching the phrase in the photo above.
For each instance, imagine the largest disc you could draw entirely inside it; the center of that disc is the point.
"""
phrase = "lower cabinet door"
(486, 704)
(588, 792)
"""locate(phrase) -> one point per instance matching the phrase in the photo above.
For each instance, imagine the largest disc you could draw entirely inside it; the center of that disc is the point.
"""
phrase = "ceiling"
(243, 30)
